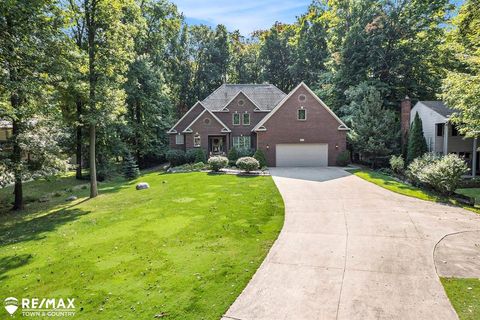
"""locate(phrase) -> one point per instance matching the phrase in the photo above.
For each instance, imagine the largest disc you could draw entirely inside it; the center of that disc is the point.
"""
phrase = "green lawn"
(471, 192)
(185, 248)
(465, 296)
(387, 182)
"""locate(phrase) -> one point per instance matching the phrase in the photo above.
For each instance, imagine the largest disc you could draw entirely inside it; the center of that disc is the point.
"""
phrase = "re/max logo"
(48, 303)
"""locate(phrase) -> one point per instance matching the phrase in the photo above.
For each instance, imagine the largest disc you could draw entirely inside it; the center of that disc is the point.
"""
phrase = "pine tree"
(417, 145)
(130, 167)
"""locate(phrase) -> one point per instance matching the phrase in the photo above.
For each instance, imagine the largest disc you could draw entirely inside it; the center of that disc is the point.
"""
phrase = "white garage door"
(302, 155)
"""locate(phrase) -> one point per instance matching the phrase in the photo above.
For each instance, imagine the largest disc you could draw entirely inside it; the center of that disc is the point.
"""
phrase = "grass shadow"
(12, 262)
(33, 229)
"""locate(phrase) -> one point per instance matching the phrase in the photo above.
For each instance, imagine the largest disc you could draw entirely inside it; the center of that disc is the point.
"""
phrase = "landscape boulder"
(142, 185)
(71, 198)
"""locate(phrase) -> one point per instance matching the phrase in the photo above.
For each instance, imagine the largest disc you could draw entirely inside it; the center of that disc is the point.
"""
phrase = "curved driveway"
(351, 250)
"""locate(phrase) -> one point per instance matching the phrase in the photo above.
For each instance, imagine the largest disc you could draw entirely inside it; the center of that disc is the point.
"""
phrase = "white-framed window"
(236, 119)
(242, 142)
(246, 119)
(179, 139)
(302, 114)
(196, 140)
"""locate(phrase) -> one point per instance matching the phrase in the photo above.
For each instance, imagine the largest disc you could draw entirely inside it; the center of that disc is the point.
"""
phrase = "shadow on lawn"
(13, 262)
(34, 229)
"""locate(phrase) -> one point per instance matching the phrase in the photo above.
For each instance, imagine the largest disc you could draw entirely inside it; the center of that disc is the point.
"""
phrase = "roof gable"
(261, 125)
(264, 96)
(188, 129)
(183, 122)
(439, 107)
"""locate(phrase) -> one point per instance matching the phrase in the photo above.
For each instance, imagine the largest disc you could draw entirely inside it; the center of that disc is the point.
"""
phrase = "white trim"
(197, 135)
(172, 130)
(301, 108)
(243, 118)
(239, 119)
(258, 110)
(268, 116)
(180, 136)
(235, 96)
(224, 129)
(262, 128)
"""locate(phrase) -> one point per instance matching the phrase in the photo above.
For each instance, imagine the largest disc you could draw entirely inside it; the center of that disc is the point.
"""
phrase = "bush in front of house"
(232, 156)
(190, 156)
(217, 162)
(416, 143)
(397, 164)
(260, 156)
(200, 155)
(175, 157)
(343, 158)
(247, 164)
(443, 174)
(416, 168)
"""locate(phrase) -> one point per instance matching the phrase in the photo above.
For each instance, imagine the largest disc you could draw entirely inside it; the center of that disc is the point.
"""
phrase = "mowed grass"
(471, 192)
(183, 249)
(464, 295)
(389, 183)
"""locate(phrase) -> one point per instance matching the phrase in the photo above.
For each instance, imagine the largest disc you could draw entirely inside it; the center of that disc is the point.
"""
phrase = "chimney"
(405, 108)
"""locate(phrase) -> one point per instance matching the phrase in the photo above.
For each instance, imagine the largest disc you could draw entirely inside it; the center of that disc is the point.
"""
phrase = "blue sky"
(244, 15)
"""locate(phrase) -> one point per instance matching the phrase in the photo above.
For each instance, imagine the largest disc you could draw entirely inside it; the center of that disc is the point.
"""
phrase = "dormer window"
(246, 119)
(301, 114)
(236, 119)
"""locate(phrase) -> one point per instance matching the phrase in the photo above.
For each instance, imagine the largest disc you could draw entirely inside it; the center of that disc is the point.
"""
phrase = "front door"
(217, 145)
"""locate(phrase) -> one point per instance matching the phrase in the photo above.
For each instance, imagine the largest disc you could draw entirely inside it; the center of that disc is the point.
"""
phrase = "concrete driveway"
(351, 250)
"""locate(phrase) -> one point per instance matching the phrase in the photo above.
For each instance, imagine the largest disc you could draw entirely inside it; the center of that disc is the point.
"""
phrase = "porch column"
(474, 158)
(445, 138)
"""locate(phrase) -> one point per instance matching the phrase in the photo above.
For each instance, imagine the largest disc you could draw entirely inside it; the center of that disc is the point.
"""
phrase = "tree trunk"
(93, 168)
(78, 174)
(17, 158)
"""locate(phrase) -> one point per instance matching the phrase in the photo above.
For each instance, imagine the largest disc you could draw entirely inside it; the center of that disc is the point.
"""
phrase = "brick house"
(295, 129)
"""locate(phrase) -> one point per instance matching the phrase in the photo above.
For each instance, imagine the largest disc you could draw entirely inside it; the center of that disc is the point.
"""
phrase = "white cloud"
(246, 15)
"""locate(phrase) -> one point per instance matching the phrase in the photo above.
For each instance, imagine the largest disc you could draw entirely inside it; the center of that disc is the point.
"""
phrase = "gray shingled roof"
(265, 96)
(439, 107)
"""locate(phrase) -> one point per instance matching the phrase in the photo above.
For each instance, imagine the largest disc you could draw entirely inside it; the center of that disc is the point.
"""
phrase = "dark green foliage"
(175, 157)
(245, 152)
(190, 155)
(232, 154)
(200, 155)
(343, 158)
(260, 156)
(130, 167)
(417, 145)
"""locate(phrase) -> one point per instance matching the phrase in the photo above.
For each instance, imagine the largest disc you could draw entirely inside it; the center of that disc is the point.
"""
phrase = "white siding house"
(441, 135)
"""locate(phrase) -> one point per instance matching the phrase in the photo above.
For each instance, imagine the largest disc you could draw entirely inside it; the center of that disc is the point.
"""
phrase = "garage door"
(302, 155)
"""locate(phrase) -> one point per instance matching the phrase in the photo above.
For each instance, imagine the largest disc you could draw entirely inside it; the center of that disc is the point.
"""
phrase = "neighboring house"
(5, 131)
(442, 137)
(297, 129)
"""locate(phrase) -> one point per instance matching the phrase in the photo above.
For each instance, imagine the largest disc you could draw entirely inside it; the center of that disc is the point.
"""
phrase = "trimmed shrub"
(190, 155)
(343, 158)
(175, 157)
(245, 152)
(217, 162)
(397, 164)
(200, 155)
(247, 164)
(130, 167)
(415, 169)
(445, 174)
(260, 156)
(232, 156)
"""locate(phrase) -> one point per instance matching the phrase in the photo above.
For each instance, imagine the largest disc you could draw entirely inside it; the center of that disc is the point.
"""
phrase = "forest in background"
(104, 79)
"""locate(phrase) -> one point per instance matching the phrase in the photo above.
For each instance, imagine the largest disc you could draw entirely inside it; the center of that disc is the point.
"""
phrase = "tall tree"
(417, 145)
(109, 32)
(29, 34)
(149, 104)
(461, 87)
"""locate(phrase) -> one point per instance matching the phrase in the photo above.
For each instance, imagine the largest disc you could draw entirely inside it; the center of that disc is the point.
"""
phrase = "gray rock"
(71, 198)
(142, 185)
(43, 199)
